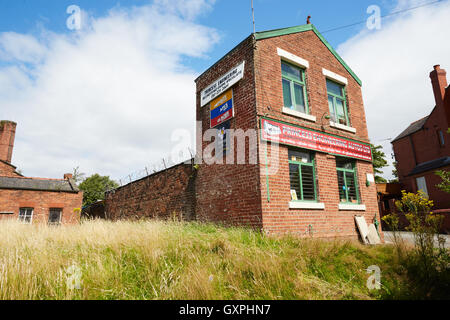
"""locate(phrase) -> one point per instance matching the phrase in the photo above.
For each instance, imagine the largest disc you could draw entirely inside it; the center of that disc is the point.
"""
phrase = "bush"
(427, 267)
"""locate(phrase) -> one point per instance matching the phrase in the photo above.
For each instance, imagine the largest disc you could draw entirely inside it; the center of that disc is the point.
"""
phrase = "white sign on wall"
(222, 84)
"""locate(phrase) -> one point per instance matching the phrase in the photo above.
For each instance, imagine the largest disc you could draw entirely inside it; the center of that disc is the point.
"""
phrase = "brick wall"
(230, 193)
(41, 201)
(164, 195)
(277, 217)
(7, 170)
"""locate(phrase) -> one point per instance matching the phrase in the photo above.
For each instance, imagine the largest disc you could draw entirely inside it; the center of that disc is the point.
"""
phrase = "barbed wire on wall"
(163, 164)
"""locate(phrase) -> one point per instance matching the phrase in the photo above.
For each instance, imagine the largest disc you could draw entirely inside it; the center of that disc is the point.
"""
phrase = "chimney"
(439, 81)
(7, 135)
(68, 176)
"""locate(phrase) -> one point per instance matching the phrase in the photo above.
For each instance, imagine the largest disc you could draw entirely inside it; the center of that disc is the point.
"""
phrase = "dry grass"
(157, 260)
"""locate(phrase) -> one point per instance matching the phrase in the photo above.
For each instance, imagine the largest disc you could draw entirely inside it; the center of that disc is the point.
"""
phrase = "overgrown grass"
(157, 260)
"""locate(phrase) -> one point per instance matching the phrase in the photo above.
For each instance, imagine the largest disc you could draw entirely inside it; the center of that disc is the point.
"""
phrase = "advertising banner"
(309, 139)
(222, 108)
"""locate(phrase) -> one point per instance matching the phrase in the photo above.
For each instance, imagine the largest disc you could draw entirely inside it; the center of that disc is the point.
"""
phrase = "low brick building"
(307, 164)
(424, 148)
(34, 200)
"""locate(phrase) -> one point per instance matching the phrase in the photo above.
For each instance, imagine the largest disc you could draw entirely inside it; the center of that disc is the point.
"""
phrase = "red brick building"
(297, 90)
(424, 147)
(33, 200)
(287, 86)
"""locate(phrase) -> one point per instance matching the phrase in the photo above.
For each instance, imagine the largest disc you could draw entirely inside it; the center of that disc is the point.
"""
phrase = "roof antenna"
(308, 20)
(253, 14)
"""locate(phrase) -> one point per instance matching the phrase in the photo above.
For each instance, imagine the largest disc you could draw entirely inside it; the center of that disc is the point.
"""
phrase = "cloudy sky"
(114, 96)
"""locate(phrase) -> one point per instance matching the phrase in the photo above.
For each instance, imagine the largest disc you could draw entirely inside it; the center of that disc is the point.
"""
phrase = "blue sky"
(102, 98)
(231, 17)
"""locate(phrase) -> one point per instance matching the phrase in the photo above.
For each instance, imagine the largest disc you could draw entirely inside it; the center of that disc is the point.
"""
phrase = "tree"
(77, 176)
(394, 173)
(379, 162)
(94, 188)
(445, 184)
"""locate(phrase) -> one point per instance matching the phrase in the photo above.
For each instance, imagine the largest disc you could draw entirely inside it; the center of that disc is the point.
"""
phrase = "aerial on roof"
(413, 127)
(38, 184)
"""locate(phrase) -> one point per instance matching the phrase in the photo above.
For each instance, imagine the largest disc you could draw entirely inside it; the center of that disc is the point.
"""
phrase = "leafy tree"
(394, 173)
(94, 188)
(445, 184)
(379, 162)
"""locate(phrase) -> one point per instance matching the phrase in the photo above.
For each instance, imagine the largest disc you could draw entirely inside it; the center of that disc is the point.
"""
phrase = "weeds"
(177, 260)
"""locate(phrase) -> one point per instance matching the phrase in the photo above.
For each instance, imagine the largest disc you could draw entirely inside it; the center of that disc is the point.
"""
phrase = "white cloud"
(394, 64)
(106, 98)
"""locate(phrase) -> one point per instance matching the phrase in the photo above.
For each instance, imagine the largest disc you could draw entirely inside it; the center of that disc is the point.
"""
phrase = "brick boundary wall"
(164, 195)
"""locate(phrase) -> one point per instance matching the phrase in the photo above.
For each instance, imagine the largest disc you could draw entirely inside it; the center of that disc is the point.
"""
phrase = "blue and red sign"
(222, 109)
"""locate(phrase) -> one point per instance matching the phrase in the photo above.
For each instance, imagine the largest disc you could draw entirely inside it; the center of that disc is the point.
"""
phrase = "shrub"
(428, 267)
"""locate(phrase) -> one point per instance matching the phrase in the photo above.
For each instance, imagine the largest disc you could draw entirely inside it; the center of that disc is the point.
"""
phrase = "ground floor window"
(422, 185)
(302, 176)
(26, 215)
(347, 180)
(54, 217)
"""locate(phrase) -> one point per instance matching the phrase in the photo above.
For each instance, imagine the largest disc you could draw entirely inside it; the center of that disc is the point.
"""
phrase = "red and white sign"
(305, 138)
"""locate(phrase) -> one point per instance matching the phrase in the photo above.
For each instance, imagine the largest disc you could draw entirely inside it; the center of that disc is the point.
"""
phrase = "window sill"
(342, 127)
(352, 207)
(299, 114)
(306, 205)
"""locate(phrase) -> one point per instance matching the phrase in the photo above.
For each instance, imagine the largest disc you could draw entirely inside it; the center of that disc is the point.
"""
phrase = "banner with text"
(309, 139)
(223, 84)
(222, 108)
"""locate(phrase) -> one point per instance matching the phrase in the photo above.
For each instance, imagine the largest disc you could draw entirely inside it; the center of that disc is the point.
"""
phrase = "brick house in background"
(34, 200)
(424, 148)
(287, 85)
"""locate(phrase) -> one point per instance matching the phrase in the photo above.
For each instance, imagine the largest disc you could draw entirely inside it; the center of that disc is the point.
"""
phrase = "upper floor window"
(26, 215)
(347, 181)
(302, 176)
(337, 102)
(441, 138)
(294, 88)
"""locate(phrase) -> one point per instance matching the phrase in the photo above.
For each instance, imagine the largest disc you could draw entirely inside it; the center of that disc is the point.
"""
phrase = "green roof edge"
(303, 28)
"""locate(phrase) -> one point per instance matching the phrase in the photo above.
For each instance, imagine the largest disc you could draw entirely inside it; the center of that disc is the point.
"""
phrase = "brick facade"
(239, 194)
(230, 193)
(41, 201)
(40, 195)
(423, 144)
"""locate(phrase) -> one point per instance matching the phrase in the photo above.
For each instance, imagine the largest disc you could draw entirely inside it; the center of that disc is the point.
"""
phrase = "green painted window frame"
(293, 80)
(343, 98)
(300, 164)
(355, 178)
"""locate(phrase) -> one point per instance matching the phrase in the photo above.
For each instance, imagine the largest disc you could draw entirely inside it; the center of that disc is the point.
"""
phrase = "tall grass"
(157, 260)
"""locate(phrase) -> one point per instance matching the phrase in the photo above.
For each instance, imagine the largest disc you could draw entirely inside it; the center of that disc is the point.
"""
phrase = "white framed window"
(26, 215)
(422, 185)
